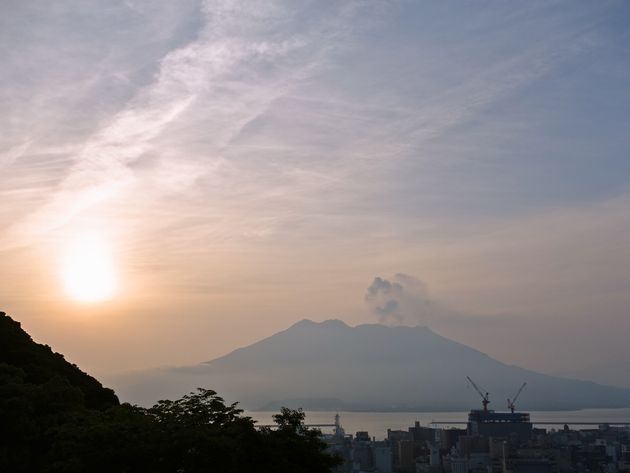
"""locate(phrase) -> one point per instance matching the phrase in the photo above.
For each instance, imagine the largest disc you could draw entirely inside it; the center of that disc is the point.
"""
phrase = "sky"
(179, 179)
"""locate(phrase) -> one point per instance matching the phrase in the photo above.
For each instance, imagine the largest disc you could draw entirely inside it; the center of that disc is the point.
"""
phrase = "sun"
(87, 268)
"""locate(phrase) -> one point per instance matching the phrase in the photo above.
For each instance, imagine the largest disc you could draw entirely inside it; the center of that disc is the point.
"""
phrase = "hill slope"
(330, 365)
(24, 362)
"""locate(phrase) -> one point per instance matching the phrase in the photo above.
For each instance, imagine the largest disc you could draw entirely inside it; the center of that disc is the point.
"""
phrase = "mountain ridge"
(369, 367)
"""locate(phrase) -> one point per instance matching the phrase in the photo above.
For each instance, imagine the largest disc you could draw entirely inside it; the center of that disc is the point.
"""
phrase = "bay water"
(377, 423)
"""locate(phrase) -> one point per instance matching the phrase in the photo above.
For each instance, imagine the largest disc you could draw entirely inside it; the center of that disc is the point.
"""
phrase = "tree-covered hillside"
(56, 418)
(35, 364)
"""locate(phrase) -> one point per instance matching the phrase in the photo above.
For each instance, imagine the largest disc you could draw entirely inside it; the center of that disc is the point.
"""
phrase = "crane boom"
(484, 397)
(519, 392)
(511, 404)
(474, 386)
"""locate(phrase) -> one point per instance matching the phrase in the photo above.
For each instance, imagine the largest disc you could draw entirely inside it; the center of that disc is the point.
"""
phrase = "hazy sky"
(246, 164)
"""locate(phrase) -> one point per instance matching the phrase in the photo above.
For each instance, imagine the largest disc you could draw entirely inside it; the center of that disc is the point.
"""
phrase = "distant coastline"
(271, 407)
(377, 422)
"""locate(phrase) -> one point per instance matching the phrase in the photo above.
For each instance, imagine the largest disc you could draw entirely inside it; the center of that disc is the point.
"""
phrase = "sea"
(377, 423)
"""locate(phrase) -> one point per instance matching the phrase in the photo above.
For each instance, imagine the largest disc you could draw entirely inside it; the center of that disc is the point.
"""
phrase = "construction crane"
(484, 397)
(511, 403)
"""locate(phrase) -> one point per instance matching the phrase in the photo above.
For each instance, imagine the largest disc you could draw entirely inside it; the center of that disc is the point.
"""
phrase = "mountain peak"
(340, 324)
(329, 323)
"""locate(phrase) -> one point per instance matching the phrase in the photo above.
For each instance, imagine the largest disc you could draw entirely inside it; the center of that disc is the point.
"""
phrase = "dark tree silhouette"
(56, 419)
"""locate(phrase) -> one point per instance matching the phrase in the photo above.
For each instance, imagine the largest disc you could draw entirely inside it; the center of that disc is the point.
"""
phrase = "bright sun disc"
(88, 269)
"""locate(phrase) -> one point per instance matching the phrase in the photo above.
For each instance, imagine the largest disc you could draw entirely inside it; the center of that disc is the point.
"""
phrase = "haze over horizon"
(180, 179)
(332, 366)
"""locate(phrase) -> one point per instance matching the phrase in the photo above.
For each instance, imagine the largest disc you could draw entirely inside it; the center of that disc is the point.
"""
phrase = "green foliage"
(300, 449)
(56, 419)
(38, 364)
(290, 420)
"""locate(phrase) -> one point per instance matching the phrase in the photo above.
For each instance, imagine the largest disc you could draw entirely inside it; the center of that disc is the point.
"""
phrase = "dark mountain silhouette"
(32, 364)
(330, 365)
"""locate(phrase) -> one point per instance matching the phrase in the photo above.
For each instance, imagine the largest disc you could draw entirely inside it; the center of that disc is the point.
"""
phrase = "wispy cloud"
(10, 156)
(223, 67)
(195, 119)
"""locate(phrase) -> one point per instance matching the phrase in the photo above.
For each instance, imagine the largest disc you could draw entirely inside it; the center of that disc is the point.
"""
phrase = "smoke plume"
(401, 299)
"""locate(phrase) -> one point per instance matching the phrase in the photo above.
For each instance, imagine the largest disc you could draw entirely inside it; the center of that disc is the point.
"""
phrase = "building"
(489, 423)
